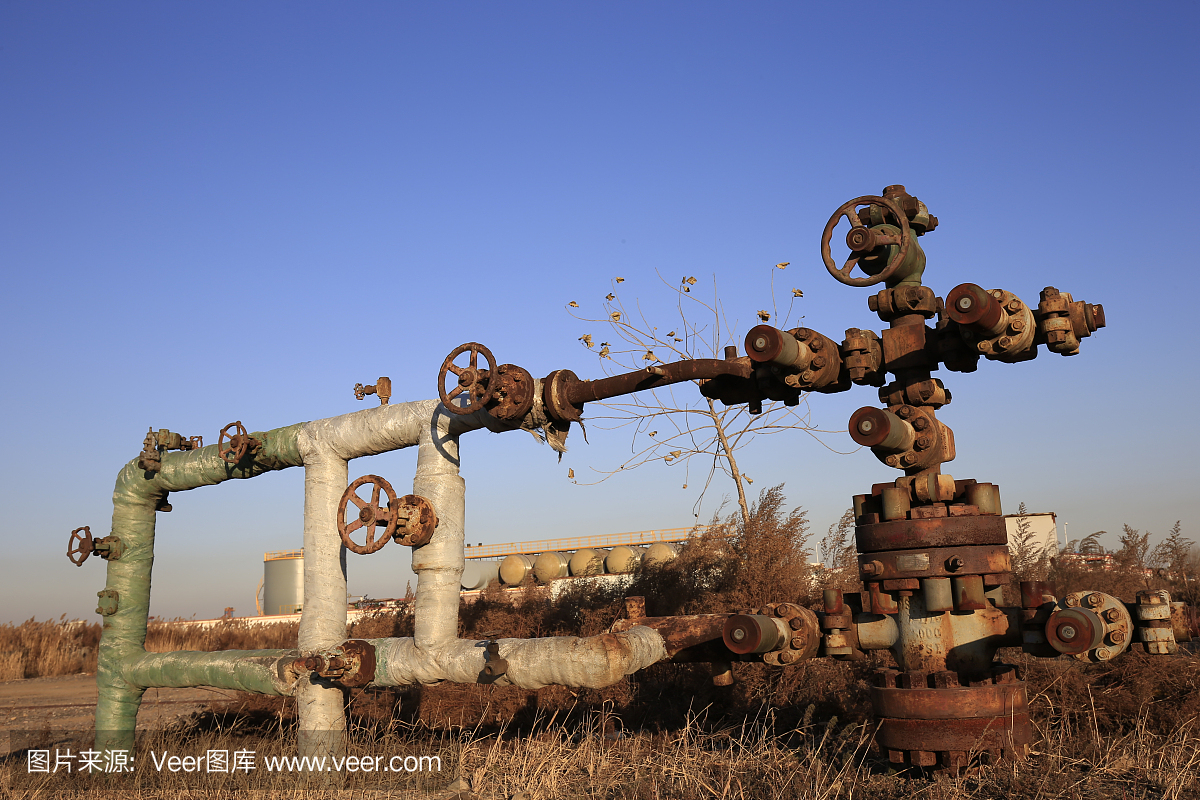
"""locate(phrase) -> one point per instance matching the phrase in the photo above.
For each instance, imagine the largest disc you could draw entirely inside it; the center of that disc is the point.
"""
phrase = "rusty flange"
(910, 534)
(418, 520)
(783, 633)
(929, 720)
(512, 397)
(351, 664)
(936, 562)
(556, 389)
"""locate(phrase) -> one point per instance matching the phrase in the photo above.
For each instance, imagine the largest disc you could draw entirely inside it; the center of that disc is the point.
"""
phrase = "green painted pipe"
(260, 671)
(122, 642)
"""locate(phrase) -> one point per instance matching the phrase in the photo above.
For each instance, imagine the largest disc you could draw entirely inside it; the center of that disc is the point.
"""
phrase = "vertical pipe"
(322, 719)
(439, 564)
(124, 634)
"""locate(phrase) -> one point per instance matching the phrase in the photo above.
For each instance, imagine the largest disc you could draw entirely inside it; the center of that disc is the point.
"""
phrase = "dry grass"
(46, 649)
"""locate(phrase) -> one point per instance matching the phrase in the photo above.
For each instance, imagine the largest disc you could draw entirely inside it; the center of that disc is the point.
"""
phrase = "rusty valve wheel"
(470, 379)
(862, 240)
(370, 515)
(80, 545)
(232, 447)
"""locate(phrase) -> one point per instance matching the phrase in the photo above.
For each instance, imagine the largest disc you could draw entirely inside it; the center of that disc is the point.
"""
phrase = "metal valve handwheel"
(80, 545)
(232, 447)
(370, 515)
(470, 379)
(862, 240)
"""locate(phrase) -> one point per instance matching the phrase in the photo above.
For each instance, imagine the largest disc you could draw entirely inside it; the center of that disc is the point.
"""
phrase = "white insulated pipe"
(435, 653)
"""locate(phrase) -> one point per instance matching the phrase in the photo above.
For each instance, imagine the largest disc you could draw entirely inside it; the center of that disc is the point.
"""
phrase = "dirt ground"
(68, 704)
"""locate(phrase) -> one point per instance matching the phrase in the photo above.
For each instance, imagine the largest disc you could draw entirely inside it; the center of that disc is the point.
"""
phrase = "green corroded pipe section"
(135, 498)
(260, 671)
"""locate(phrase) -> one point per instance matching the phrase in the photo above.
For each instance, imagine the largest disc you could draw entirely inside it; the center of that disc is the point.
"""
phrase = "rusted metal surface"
(911, 534)
(416, 520)
(783, 633)
(472, 380)
(936, 562)
(233, 447)
(512, 397)
(381, 387)
(950, 703)
(80, 545)
(963, 735)
(1092, 626)
(409, 520)
(371, 513)
(494, 666)
(849, 210)
(577, 392)
(679, 633)
(350, 664)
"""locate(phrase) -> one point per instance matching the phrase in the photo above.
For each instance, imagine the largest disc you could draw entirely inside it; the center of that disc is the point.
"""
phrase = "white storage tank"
(283, 582)
(548, 566)
(660, 553)
(588, 561)
(623, 558)
(515, 568)
(478, 574)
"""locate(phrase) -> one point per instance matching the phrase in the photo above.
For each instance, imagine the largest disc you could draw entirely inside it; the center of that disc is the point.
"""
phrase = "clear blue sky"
(224, 211)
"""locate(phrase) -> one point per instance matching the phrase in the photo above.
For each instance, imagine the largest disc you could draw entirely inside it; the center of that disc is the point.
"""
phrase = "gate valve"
(864, 242)
(351, 664)
(801, 358)
(233, 447)
(81, 545)
(410, 520)
(150, 459)
(472, 380)
(1064, 321)
(382, 387)
(1092, 626)
(783, 633)
(995, 324)
(904, 437)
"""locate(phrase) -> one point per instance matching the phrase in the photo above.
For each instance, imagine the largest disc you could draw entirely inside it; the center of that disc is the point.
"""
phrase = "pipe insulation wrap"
(135, 499)
(261, 671)
(439, 564)
(591, 662)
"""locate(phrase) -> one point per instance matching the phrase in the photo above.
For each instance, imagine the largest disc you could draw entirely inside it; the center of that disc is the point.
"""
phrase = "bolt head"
(1093, 600)
(905, 412)
(920, 423)
(910, 459)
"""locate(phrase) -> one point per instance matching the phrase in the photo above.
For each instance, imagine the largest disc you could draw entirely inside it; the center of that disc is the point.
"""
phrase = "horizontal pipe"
(261, 671)
(591, 662)
(664, 375)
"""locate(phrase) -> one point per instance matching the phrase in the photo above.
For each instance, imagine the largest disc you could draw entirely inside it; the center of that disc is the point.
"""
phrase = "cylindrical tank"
(283, 582)
(478, 574)
(660, 553)
(548, 566)
(623, 558)
(514, 569)
(588, 561)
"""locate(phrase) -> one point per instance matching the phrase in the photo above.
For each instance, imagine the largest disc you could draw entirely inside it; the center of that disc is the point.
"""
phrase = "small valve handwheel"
(862, 240)
(232, 447)
(370, 515)
(80, 545)
(470, 379)
(422, 519)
